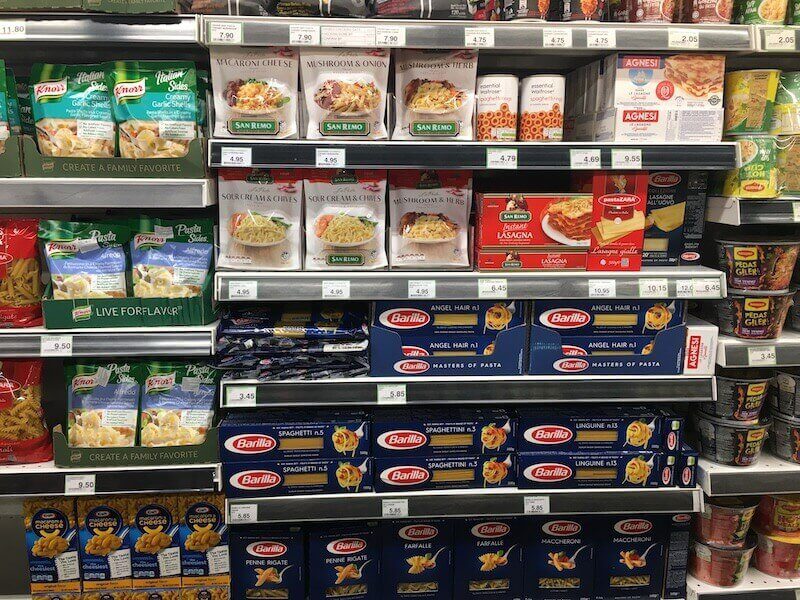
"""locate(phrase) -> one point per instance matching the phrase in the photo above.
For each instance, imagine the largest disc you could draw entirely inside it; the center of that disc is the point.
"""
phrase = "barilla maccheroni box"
(292, 477)
(488, 559)
(430, 432)
(247, 436)
(343, 561)
(155, 544)
(448, 338)
(204, 540)
(686, 467)
(268, 563)
(629, 561)
(104, 543)
(416, 559)
(51, 537)
(593, 469)
(677, 556)
(559, 558)
(446, 472)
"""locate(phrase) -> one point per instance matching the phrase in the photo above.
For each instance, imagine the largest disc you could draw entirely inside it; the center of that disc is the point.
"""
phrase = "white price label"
(761, 356)
(304, 35)
(396, 508)
(492, 288)
(626, 158)
(556, 37)
(602, 288)
(12, 30)
(331, 157)
(536, 505)
(796, 212)
(240, 396)
(479, 37)
(236, 157)
(335, 289)
(585, 159)
(242, 290)
(392, 393)
(683, 38)
(81, 484)
(684, 288)
(224, 33)
(501, 158)
(422, 288)
(779, 39)
(653, 288)
(390, 36)
(243, 513)
(601, 38)
(55, 345)
(707, 287)
(354, 36)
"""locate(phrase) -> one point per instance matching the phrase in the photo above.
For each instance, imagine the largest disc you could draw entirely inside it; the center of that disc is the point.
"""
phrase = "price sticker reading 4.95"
(336, 289)
(236, 157)
(242, 290)
(80, 484)
(55, 345)
(585, 159)
(762, 356)
(330, 157)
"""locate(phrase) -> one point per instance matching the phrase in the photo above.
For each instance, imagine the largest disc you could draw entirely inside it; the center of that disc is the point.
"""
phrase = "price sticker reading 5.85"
(392, 393)
(396, 508)
(585, 159)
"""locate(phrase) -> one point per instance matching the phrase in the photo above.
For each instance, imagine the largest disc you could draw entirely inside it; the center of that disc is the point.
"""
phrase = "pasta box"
(488, 559)
(203, 537)
(289, 477)
(268, 563)
(677, 556)
(559, 558)
(523, 259)
(155, 545)
(428, 432)
(52, 541)
(344, 561)
(416, 559)
(593, 469)
(686, 467)
(588, 345)
(615, 317)
(447, 472)
(247, 436)
(103, 524)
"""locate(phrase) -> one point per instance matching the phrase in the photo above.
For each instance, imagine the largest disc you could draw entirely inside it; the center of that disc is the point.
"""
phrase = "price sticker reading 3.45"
(240, 395)
(762, 356)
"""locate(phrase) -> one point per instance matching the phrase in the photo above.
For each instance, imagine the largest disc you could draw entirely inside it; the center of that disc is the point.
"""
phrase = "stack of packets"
(297, 341)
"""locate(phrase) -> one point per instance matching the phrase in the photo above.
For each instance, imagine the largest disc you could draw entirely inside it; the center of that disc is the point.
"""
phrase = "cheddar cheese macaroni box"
(155, 546)
(428, 432)
(447, 472)
(247, 436)
(343, 561)
(616, 317)
(104, 543)
(593, 469)
(677, 556)
(488, 559)
(268, 563)
(559, 558)
(203, 540)
(416, 559)
(296, 476)
(50, 534)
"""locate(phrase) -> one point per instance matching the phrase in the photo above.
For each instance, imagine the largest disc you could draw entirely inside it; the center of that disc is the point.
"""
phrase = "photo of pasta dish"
(255, 96)
(433, 97)
(141, 139)
(638, 434)
(59, 137)
(86, 430)
(498, 317)
(348, 98)
(426, 228)
(162, 427)
(154, 281)
(253, 229)
(657, 317)
(349, 477)
(494, 472)
(637, 471)
(344, 230)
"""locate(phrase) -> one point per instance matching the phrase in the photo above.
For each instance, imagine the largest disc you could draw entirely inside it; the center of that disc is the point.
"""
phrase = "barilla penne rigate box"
(52, 541)
(488, 558)
(592, 469)
(203, 539)
(155, 545)
(268, 563)
(447, 472)
(104, 543)
(343, 561)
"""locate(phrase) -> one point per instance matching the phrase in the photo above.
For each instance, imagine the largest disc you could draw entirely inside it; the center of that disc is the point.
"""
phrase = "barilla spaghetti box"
(488, 559)
(343, 561)
(593, 469)
(268, 563)
(559, 558)
(446, 472)
(608, 317)
(104, 543)
(247, 436)
(203, 540)
(416, 559)
(430, 432)
(292, 477)
(155, 544)
(52, 541)
(677, 556)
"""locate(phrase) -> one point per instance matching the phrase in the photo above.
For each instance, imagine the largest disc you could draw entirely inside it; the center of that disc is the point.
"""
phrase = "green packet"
(27, 123)
(13, 103)
(5, 129)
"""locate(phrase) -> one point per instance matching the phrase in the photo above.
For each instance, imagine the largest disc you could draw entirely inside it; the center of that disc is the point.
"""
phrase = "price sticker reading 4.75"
(762, 356)
(80, 484)
(556, 37)
(479, 37)
(55, 345)
(585, 159)
(601, 38)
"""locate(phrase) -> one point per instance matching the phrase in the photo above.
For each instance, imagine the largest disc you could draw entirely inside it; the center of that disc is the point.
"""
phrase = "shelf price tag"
(626, 158)
(330, 157)
(304, 35)
(55, 345)
(761, 356)
(390, 36)
(492, 288)
(536, 505)
(243, 513)
(236, 157)
(796, 212)
(653, 288)
(684, 288)
(479, 37)
(779, 39)
(354, 36)
(81, 484)
(12, 30)
(556, 37)
(602, 288)
(396, 508)
(707, 287)
(585, 159)
(501, 158)
(242, 290)
(601, 38)
(422, 288)
(224, 33)
(240, 396)
(392, 393)
(335, 289)
(683, 38)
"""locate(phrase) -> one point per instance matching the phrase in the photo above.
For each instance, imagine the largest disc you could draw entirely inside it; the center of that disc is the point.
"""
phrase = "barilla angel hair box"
(488, 559)
(52, 541)
(344, 562)
(593, 469)
(446, 472)
(559, 558)
(104, 543)
(268, 563)
(203, 540)
(155, 546)
(417, 559)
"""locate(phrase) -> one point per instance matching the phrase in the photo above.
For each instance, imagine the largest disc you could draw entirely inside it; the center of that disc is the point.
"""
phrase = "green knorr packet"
(203, 87)
(13, 103)
(155, 105)
(5, 129)
(25, 108)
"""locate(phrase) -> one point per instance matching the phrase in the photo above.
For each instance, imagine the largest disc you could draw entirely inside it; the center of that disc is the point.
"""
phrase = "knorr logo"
(159, 383)
(61, 249)
(50, 89)
(148, 240)
(83, 313)
(129, 90)
(82, 384)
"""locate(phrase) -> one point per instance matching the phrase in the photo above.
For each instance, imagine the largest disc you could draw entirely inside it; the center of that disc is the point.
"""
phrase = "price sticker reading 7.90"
(304, 35)
(224, 33)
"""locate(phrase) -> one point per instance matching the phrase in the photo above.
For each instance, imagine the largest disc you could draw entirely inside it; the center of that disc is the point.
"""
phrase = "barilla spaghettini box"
(677, 556)
(430, 432)
(104, 543)
(52, 541)
(559, 558)
(203, 537)
(268, 563)
(291, 477)
(615, 317)
(686, 467)
(488, 559)
(417, 559)
(343, 561)
(446, 472)
(629, 557)
(155, 544)
(448, 338)
(247, 436)
(593, 469)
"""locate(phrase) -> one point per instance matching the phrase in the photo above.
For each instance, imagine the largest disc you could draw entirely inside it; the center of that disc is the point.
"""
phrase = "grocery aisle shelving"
(755, 586)
(737, 352)
(770, 475)
(743, 211)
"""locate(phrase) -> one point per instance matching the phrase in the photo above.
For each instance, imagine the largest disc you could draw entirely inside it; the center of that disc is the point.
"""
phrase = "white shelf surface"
(736, 352)
(747, 211)
(755, 586)
(770, 475)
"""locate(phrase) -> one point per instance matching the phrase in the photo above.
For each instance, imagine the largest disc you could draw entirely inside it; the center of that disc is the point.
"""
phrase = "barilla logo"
(266, 549)
(633, 526)
(346, 546)
(640, 116)
(672, 441)
(402, 439)
(686, 475)
(690, 256)
(745, 253)
(666, 475)
(250, 443)
(255, 480)
(61, 249)
(148, 240)
(418, 533)
(129, 90)
(84, 383)
(664, 179)
(641, 62)
(159, 383)
(756, 305)
(415, 351)
(405, 475)
(561, 528)
(620, 200)
(548, 472)
(568, 350)
(489, 530)
(565, 318)
(682, 518)
(411, 367)
(50, 89)
(571, 365)
(404, 318)
(693, 353)
(548, 434)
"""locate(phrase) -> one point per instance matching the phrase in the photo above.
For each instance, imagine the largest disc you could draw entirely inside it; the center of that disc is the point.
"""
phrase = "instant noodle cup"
(730, 442)
(741, 394)
(777, 555)
(541, 107)
(785, 437)
(757, 263)
(723, 567)
(749, 100)
(496, 100)
(754, 315)
(786, 114)
(757, 177)
(760, 12)
(785, 396)
(706, 11)
(778, 514)
(724, 522)
(788, 160)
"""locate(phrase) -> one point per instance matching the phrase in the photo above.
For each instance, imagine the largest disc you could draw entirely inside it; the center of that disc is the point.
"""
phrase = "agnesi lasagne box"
(417, 559)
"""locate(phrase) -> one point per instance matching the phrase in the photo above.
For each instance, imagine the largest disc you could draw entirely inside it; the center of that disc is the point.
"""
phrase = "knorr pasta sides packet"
(5, 129)
(13, 103)
(25, 109)
(155, 106)
(72, 111)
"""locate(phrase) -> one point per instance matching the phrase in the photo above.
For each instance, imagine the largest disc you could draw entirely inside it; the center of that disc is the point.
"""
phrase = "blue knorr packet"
(203, 537)
(343, 562)
(52, 542)
(559, 558)
(616, 317)
(416, 559)
(488, 559)
(104, 543)
(268, 563)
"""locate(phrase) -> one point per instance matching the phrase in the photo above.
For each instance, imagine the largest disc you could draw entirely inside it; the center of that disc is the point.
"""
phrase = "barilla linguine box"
(677, 556)
(593, 469)
(608, 317)
(343, 561)
(247, 436)
(559, 558)
(429, 432)
(488, 559)
(104, 543)
(203, 539)
(52, 541)
(446, 472)
(416, 559)
(291, 477)
(686, 467)
(268, 563)
(155, 544)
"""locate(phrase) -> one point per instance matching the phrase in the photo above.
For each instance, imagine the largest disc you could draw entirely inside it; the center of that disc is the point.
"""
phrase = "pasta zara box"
(51, 537)
(488, 558)
(448, 472)
(268, 563)
(344, 561)
(593, 469)
(104, 543)
(155, 545)
(203, 540)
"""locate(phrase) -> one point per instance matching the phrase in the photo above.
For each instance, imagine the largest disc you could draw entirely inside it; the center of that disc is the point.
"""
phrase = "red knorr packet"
(23, 434)
(20, 280)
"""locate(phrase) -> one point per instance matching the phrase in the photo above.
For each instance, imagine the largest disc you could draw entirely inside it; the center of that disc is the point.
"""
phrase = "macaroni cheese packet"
(52, 543)
(104, 543)
(86, 260)
(203, 539)
(177, 403)
(102, 403)
(24, 437)
(5, 127)
(155, 106)
(20, 275)
(170, 259)
(27, 124)
(72, 111)
(155, 545)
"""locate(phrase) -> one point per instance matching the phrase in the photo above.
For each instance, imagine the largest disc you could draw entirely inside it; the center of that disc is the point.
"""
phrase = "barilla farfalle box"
(488, 559)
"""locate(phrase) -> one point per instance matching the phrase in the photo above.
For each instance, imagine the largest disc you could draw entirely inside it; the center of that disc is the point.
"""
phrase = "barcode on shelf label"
(501, 158)
(242, 290)
(585, 159)
(236, 157)
(653, 288)
(12, 30)
(396, 508)
(336, 289)
(707, 287)
(331, 157)
(479, 37)
(761, 356)
(55, 345)
(81, 484)
(354, 36)
(602, 288)
(683, 38)
(243, 513)
(304, 35)
(390, 36)
(684, 288)
(779, 39)
(556, 37)
(240, 396)
(536, 505)
(392, 393)
(601, 38)
(626, 158)
(422, 288)
(796, 212)
(492, 288)
(224, 33)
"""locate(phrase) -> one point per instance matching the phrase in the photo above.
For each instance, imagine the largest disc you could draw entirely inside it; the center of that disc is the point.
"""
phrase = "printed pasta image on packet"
(20, 274)
(24, 437)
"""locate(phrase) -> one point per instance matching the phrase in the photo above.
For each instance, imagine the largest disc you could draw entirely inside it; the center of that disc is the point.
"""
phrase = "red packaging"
(651, 11)
(723, 567)
(617, 232)
(708, 11)
(24, 437)
(523, 259)
(779, 514)
(778, 555)
(725, 521)
(20, 276)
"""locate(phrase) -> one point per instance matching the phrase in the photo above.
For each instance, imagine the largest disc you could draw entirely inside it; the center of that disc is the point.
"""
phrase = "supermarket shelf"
(783, 352)
(45, 478)
(466, 155)
(520, 35)
(755, 586)
(781, 39)
(523, 389)
(47, 192)
(684, 282)
(195, 340)
(465, 503)
(770, 475)
(743, 211)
